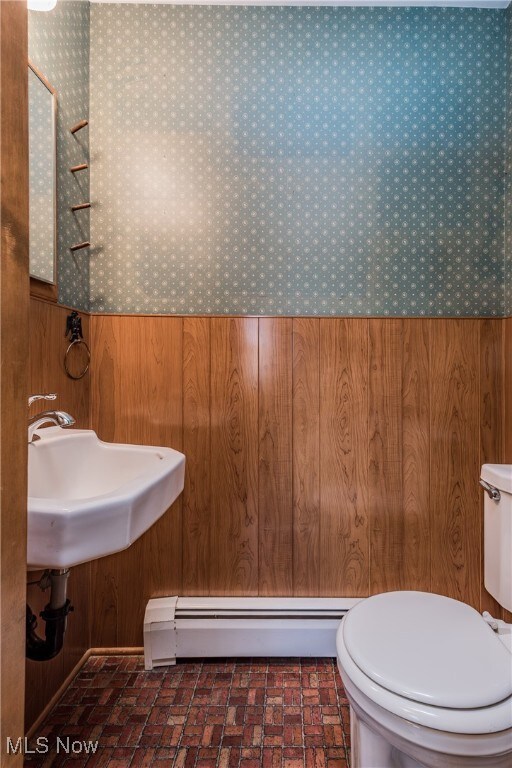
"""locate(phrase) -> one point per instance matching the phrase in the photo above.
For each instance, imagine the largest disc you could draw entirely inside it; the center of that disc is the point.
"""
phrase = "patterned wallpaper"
(297, 160)
(283, 160)
(42, 178)
(508, 167)
(59, 48)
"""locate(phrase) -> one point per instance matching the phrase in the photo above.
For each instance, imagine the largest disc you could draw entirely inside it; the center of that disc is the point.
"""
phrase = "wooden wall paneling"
(491, 389)
(234, 456)
(415, 563)
(344, 565)
(48, 345)
(139, 363)
(387, 520)
(132, 403)
(105, 604)
(275, 526)
(273, 406)
(507, 398)
(491, 423)
(196, 447)
(162, 544)
(455, 454)
(306, 456)
(103, 376)
(78, 634)
(138, 356)
(399, 455)
(104, 396)
(507, 407)
(43, 679)
(14, 294)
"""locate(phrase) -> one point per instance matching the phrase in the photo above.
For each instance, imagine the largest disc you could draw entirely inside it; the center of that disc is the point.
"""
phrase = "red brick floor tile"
(271, 758)
(143, 758)
(234, 757)
(273, 713)
(98, 760)
(293, 762)
(165, 753)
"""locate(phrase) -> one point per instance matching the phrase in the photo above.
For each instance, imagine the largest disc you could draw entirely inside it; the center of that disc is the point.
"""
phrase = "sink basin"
(88, 498)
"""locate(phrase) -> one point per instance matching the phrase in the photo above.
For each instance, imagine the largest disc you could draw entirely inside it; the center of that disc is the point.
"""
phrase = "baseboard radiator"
(213, 627)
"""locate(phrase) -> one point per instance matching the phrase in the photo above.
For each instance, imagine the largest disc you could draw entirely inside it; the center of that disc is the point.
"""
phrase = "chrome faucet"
(60, 418)
(34, 398)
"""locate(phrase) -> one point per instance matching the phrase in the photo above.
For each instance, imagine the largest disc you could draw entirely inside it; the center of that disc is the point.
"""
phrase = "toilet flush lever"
(490, 620)
(491, 491)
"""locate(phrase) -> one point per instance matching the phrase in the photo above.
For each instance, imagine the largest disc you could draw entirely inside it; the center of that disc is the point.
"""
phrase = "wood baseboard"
(136, 651)
(56, 696)
(76, 669)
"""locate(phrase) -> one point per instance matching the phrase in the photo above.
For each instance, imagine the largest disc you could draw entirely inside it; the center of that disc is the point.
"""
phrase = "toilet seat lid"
(430, 649)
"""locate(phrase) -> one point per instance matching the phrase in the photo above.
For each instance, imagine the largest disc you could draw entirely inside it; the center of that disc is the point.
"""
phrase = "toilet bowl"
(428, 681)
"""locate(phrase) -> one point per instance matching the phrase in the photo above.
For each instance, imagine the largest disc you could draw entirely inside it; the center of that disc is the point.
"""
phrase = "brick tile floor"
(275, 713)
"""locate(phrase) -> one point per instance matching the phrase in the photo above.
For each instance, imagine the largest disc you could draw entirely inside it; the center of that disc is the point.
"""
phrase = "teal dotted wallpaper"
(284, 160)
(508, 166)
(59, 48)
(41, 179)
(312, 161)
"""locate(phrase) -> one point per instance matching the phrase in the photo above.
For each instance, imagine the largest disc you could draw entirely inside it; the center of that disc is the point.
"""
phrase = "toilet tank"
(498, 532)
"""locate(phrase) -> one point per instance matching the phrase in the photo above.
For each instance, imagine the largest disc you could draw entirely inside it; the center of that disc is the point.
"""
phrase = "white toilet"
(428, 679)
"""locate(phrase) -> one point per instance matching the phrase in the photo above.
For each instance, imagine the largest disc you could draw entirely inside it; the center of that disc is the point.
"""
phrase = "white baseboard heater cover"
(209, 627)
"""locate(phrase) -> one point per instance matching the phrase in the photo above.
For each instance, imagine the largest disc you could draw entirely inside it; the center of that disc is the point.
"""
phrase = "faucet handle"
(34, 398)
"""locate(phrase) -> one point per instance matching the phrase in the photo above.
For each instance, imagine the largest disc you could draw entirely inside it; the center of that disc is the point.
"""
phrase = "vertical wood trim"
(306, 456)
(507, 350)
(161, 405)
(491, 388)
(343, 466)
(385, 455)
(416, 455)
(275, 457)
(103, 381)
(196, 447)
(14, 298)
(104, 398)
(491, 425)
(455, 497)
(234, 456)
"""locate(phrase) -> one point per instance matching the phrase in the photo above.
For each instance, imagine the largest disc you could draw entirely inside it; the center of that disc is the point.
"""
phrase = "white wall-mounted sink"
(88, 499)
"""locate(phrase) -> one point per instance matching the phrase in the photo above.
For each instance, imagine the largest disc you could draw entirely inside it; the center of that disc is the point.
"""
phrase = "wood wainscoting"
(324, 456)
(47, 347)
(507, 405)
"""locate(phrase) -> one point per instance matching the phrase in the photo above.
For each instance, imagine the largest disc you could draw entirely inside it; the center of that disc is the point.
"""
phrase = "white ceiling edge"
(353, 3)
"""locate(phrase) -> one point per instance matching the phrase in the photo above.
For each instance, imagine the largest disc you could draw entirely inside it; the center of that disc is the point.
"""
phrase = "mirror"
(42, 99)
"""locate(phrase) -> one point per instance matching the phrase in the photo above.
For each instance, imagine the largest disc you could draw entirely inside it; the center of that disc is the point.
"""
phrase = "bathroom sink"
(88, 498)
